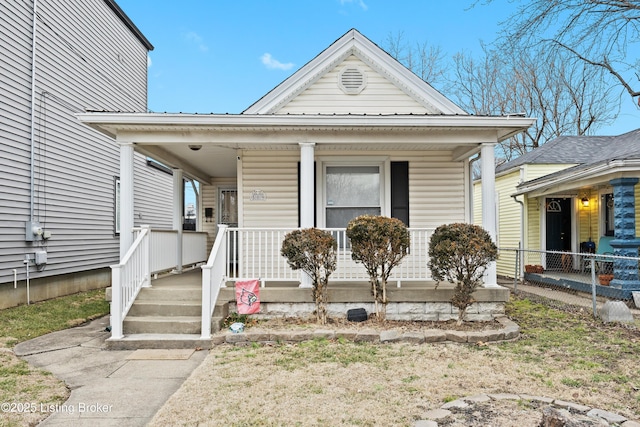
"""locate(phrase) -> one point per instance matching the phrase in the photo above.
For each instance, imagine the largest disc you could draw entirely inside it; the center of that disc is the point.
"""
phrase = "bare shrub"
(460, 253)
(314, 252)
(379, 243)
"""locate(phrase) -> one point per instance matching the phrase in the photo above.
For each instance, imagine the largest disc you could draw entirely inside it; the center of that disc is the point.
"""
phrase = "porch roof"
(593, 175)
(596, 159)
(205, 145)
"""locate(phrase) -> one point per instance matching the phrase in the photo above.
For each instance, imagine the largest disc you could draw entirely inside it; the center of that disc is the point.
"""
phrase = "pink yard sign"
(248, 296)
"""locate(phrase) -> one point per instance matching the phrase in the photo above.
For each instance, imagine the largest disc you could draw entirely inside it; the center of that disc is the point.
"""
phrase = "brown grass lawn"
(565, 355)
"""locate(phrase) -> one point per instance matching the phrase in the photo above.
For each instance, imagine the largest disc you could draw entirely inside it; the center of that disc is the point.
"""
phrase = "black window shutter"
(400, 191)
(315, 222)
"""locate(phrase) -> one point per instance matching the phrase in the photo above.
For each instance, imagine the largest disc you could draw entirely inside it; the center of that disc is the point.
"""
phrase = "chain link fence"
(585, 281)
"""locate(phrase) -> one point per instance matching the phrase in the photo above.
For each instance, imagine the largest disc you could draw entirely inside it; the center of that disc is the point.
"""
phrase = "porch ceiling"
(168, 137)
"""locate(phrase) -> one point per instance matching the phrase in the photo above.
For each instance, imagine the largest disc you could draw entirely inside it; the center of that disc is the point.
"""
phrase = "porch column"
(307, 151)
(488, 166)
(178, 197)
(625, 243)
(126, 197)
(306, 184)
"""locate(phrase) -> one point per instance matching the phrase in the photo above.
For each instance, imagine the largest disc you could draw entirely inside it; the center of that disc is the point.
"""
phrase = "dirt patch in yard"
(293, 323)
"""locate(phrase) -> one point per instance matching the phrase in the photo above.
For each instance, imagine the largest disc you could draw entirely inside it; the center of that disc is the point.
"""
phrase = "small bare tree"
(460, 253)
(598, 33)
(379, 243)
(314, 252)
(565, 96)
(424, 60)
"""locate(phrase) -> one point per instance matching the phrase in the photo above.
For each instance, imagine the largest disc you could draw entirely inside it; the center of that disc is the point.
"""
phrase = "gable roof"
(579, 150)
(354, 43)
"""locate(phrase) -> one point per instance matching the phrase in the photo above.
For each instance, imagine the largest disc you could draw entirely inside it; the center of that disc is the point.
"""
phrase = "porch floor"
(345, 291)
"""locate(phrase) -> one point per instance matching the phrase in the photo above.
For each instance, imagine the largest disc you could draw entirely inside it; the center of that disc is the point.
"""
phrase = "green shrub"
(460, 253)
(314, 252)
(379, 243)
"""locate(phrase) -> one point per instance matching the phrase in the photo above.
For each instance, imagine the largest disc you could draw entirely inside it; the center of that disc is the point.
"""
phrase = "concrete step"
(170, 293)
(165, 308)
(220, 313)
(162, 325)
(158, 341)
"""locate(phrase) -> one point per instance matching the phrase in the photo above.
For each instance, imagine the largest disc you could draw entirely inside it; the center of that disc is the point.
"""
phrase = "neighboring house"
(351, 132)
(59, 225)
(569, 191)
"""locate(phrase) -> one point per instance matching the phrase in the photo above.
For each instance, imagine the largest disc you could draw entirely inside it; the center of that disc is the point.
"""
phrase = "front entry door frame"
(573, 237)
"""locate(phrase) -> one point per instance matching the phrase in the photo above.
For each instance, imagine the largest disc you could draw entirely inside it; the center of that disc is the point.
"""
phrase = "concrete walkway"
(108, 388)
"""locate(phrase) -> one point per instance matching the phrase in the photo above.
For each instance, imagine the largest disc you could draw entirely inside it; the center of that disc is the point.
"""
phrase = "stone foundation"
(423, 311)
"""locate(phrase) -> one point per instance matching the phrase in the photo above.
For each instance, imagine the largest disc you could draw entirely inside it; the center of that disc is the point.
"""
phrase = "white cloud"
(194, 38)
(149, 63)
(360, 3)
(268, 60)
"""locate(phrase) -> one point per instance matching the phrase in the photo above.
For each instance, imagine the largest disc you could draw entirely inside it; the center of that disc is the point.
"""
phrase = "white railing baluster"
(261, 258)
(127, 278)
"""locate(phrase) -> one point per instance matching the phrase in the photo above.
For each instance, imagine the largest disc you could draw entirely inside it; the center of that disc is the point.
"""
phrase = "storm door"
(558, 229)
(228, 215)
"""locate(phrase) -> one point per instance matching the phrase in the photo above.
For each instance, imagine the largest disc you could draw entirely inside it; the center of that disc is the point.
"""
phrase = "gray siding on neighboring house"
(87, 59)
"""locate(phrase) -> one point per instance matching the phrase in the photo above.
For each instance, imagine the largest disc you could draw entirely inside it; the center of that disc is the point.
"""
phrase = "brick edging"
(510, 330)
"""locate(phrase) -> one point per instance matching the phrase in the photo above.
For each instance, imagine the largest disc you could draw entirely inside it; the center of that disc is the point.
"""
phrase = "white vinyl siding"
(436, 186)
(436, 189)
(86, 59)
(273, 174)
(380, 96)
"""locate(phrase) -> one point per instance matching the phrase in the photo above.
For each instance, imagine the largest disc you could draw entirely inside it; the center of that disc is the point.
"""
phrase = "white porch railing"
(244, 253)
(213, 276)
(152, 251)
(127, 278)
(255, 253)
(163, 247)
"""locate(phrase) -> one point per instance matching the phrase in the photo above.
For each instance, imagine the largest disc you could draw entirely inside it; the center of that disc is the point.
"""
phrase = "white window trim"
(602, 226)
(383, 162)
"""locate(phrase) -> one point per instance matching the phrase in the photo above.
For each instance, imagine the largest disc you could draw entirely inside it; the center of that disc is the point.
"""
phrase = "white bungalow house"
(351, 132)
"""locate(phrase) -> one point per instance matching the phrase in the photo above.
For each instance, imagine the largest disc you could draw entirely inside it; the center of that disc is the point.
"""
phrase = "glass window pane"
(340, 217)
(353, 186)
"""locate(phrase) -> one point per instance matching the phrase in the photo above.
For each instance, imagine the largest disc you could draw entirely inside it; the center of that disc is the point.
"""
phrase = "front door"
(558, 229)
(228, 206)
(228, 215)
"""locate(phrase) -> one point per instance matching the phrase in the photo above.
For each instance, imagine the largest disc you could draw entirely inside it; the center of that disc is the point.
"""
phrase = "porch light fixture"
(195, 147)
(585, 202)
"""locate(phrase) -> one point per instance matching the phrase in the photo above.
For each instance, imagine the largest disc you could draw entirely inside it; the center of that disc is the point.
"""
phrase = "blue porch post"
(625, 243)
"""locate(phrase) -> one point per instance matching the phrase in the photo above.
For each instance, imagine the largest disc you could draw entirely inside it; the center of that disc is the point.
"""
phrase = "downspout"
(34, 33)
(521, 203)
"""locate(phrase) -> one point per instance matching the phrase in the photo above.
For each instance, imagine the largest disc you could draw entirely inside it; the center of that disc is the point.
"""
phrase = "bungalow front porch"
(183, 310)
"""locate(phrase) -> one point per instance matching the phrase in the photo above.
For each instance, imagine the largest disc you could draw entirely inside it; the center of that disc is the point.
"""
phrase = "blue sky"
(214, 56)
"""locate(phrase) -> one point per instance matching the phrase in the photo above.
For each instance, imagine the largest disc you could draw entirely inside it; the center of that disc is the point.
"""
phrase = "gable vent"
(352, 80)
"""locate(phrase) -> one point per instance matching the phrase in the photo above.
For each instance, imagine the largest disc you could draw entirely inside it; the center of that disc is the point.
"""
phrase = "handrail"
(213, 276)
(127, 278)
